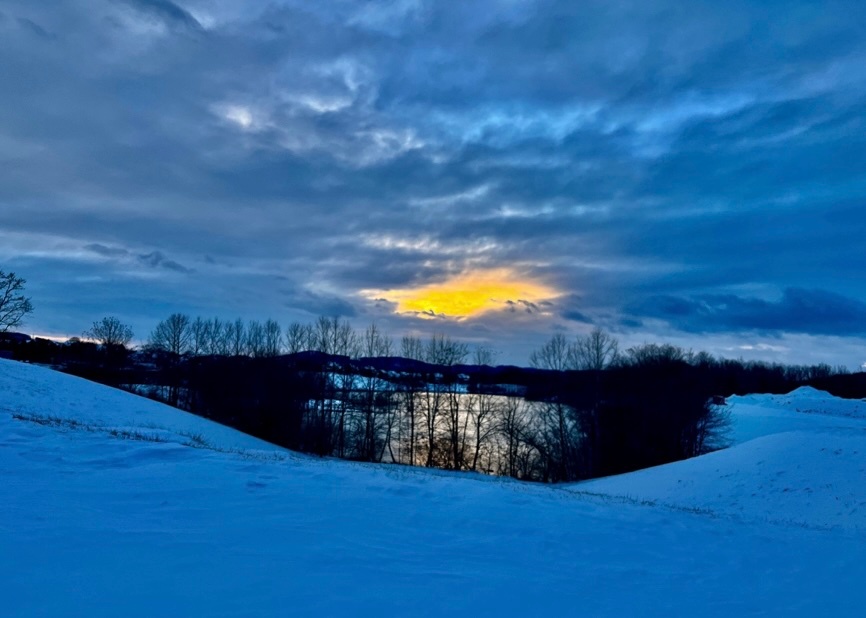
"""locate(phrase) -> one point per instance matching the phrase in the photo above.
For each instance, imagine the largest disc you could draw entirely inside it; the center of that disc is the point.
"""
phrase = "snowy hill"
(60, 400)
(798, 458)
(114, 505)
(805, 408)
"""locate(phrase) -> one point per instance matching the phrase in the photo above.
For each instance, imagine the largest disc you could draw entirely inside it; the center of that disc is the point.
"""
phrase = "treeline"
(584, 408)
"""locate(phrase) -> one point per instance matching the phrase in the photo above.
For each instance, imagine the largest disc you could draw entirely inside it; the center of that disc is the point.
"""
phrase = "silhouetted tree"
(556, 437)
(410, 386)
(334, 336)
(255, 339)
(273, 338)
(172, 335)
(236, 337)
(114, 337)
(556, 354)
(655, 354)
(514, 427)
(443, 395)
(218, 344)
(299, 338)
(595, 351)
(654, 408)
(200, 336)
(110, 332)
(14, 306)
(481, 410)
(375, 401)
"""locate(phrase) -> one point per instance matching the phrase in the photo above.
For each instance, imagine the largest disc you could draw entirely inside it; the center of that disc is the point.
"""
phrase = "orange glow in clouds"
(468, 294)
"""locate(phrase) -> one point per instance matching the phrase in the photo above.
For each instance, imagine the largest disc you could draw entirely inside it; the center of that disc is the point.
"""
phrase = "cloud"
(649, 157)
(525, 306)
(106, 251)
(816, 312)
(169, 12)
(576, 316)
(154, 259)
(316, 304)
(35, 28)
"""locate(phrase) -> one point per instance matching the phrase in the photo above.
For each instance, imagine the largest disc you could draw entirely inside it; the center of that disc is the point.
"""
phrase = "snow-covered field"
(111, 505)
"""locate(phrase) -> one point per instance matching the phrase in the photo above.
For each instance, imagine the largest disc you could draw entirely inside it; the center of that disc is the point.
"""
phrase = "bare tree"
(236, 337)
(376, 401)
(515, 431)
(411, 348)
(481, 409)
(110, 332)
(255, 339)
(172, 334)
(14, 306)
(444, 394)
(273, 338)
(444, 351)
(557, 439)
(596, 350)
(299, 338)
(374, 343)
(335, 336)
(654, 353)
(217, 342)
(200, 336)
(484, 355)
(557, 354)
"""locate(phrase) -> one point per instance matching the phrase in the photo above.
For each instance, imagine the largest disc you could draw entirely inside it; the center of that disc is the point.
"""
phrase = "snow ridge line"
(193, 440)
(701, 511)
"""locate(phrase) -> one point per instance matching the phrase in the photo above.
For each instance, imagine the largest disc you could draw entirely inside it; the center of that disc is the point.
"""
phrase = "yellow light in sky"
(469, 294)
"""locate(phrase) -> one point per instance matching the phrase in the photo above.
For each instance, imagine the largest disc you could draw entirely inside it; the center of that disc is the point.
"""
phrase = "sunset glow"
(471, 294)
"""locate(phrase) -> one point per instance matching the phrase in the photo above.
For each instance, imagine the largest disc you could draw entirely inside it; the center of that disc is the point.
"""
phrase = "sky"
(498, 171)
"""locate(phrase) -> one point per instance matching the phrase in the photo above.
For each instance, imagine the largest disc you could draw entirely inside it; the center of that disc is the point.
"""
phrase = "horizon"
(671, 174)
(141, 344)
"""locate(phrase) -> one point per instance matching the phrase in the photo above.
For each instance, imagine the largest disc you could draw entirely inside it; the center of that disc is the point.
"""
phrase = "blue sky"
(682, 172)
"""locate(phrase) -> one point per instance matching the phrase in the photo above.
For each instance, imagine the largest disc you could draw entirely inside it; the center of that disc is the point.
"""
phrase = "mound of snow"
(64, 401)
(805, 409)
(807, 400)
(803, 478)
(798, 458)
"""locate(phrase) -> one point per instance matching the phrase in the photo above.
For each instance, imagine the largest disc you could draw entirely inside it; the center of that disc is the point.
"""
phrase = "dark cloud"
(313, 304)
(172, 265)
(106, 251)
(576, 316)
(524, 306)
(815, 312)
(154, 259)
(167, 11)
(35, 28)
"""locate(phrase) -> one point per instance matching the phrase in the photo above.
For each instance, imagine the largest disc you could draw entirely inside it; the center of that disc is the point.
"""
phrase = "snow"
(34, 391)
(799, 478)
(806, 409)
(96, 521)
